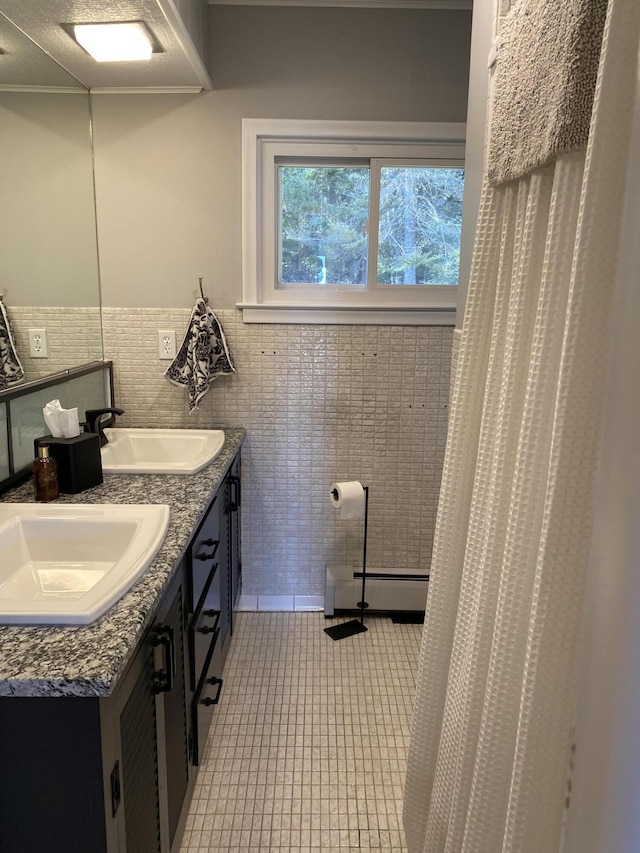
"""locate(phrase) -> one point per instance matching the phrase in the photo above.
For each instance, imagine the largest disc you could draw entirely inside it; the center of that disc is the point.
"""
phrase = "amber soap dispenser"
(45, 476)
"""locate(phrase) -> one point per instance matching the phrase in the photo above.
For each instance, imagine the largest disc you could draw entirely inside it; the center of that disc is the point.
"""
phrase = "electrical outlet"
(38, 343)
(166, 345)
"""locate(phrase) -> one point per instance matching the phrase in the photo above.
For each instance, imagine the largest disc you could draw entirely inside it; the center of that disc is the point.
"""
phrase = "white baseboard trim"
(281, 603)
(386, 589)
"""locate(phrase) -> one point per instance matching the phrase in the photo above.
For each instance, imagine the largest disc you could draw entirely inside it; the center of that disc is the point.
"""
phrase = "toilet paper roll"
(348, 498)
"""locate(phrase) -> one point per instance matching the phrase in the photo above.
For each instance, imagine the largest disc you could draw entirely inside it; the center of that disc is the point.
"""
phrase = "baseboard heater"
(387, 590)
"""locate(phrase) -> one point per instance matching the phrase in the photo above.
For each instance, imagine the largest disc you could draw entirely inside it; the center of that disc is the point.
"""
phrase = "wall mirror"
(48, 247)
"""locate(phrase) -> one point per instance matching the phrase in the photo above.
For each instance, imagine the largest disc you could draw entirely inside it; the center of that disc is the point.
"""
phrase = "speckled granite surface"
(87, 660)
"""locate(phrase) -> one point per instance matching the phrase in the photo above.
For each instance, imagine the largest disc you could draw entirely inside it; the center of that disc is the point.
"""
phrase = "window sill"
(355, 315)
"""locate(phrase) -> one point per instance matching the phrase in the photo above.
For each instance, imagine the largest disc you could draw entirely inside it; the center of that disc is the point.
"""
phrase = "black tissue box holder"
(79, 461)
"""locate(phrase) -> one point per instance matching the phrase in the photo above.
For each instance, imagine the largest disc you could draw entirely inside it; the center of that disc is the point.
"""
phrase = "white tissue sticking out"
(63, 423)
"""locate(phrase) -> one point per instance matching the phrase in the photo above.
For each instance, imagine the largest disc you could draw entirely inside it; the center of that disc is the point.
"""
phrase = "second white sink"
(67, 564)
(160, 451)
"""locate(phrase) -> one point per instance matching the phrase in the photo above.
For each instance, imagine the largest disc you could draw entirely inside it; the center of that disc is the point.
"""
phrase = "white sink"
(160, 451)
(68, 564)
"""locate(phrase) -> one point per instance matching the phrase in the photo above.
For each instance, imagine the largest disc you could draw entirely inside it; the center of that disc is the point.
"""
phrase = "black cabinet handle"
(210, 543)
(163, 678)
(116, 794)
(215, 682)
(235, 503)
(212, 614)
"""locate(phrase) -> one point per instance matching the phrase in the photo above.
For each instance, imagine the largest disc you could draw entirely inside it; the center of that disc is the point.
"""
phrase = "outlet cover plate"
(38, 343)
(166, 345)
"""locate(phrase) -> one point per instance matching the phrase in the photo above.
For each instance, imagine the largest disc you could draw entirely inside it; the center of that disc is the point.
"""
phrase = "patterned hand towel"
(545, 82)
(11, 369)
(203, 356)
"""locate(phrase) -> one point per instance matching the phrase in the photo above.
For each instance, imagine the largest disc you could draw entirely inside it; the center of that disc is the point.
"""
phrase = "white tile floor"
(307, 750)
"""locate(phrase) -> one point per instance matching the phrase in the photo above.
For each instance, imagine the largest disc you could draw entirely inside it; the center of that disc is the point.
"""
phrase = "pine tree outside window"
(351, 222)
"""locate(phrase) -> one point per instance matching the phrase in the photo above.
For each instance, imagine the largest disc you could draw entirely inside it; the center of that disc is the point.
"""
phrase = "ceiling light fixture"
(115, 42)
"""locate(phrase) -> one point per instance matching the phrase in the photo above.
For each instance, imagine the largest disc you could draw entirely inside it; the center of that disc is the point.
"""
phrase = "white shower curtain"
(490, 756)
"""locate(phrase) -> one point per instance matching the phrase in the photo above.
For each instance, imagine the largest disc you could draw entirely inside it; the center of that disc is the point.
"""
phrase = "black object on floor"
(408, 618)
(349, 629)
(345, 629)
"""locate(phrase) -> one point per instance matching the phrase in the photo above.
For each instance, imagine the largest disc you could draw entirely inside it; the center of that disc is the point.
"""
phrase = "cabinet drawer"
(205, 624)
(204, 550)
(206, 698)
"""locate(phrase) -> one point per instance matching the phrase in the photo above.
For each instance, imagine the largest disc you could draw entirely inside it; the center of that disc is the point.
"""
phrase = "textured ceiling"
(178, 67)
(22, 64)
(41, 20)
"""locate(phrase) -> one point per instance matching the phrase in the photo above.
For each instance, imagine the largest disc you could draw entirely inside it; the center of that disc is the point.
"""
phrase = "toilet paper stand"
(349, 629)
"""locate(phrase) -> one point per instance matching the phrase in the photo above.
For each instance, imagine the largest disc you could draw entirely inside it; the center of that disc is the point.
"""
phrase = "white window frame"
(265, 140)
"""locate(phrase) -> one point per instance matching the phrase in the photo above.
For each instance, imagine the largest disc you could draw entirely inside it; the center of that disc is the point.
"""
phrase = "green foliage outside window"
(324, 215)
(420, 222)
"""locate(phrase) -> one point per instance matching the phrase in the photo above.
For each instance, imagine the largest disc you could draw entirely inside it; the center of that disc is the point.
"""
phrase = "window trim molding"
(257, 132)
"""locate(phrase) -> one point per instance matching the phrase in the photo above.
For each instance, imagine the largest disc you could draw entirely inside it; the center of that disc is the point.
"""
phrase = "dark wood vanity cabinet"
(150, 734)
(83, 774)
(235, 553)
(214, 558)
(115, 774)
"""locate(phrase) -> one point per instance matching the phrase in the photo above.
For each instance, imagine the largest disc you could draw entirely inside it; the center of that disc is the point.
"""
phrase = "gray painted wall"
(168, 167)
(47, 226)
(320, 403)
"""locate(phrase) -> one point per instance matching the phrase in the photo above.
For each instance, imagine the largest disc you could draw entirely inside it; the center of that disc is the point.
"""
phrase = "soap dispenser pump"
(45, 476)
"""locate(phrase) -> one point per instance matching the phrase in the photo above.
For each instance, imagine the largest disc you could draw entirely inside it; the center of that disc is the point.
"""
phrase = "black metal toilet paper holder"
(354, 626)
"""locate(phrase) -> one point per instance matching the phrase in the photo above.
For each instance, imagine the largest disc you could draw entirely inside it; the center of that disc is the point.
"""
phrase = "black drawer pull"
(163, 678)
(215, 682)
(212, 614)
(234, 504)
(210, 543)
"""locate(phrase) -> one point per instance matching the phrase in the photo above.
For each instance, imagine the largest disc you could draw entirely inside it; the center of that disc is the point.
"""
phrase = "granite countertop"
(87, 660)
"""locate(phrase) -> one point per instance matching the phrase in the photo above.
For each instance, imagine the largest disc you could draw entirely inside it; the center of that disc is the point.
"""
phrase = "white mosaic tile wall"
(319, 403)
(74, 337)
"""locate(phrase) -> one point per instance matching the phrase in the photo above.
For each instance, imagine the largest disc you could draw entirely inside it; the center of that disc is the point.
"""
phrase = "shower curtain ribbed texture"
(492, 740)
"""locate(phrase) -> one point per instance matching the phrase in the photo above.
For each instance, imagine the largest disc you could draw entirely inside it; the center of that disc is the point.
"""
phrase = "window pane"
(420, 222)
(323, 216)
